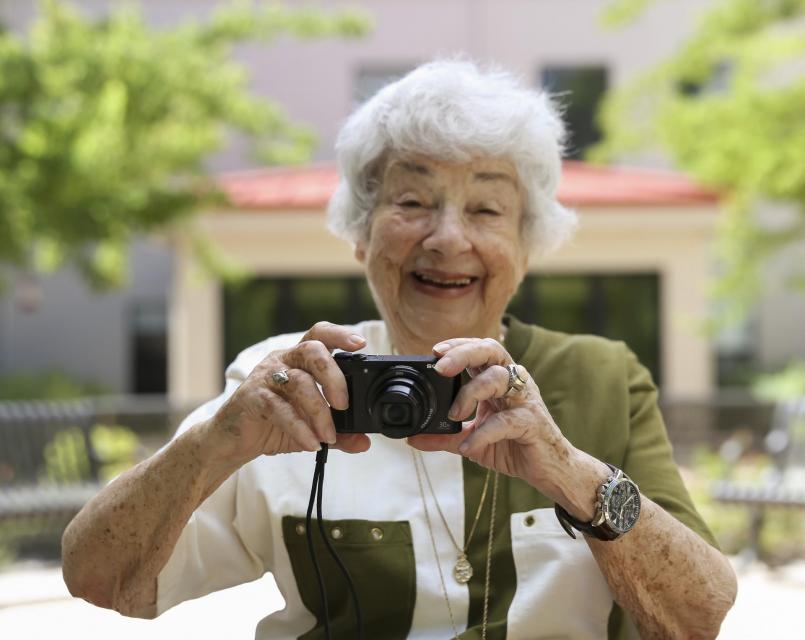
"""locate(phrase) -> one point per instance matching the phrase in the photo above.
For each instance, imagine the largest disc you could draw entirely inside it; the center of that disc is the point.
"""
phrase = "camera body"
(398, 396)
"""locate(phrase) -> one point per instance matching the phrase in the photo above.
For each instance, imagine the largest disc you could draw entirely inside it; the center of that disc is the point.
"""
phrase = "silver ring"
(516, 383)
(281, 377)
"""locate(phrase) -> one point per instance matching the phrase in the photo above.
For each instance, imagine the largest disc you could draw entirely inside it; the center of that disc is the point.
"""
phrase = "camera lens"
(396, 414)
(401, 402)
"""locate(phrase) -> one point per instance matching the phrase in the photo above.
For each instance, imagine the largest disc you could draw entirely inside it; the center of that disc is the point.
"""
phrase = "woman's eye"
(411, 204)
(488, 212)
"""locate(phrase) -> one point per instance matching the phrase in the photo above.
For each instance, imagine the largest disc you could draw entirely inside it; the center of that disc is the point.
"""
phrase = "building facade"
(163, 322)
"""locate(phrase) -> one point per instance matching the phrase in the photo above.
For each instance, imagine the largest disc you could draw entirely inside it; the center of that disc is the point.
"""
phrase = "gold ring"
(516, 384)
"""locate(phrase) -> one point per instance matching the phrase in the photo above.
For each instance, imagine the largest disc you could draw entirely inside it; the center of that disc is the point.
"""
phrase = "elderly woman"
(448, 185)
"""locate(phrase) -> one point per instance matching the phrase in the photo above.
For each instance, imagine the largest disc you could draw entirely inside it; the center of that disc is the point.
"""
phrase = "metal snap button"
(377, 533)
(300, 528)
(337, 533)
(529, 521)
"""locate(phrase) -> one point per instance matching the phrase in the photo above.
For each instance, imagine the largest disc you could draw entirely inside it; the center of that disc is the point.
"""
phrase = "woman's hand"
(264, 416)
(515, 435)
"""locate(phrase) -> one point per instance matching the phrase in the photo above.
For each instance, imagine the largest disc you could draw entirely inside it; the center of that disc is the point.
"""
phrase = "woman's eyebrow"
(490, 176)
(413, 167)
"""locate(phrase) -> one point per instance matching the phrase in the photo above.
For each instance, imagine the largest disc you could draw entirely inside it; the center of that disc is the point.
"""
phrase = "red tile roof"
(310, 187)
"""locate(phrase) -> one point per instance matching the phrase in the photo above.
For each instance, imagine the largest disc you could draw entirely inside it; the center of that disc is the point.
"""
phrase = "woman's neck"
(402, 343)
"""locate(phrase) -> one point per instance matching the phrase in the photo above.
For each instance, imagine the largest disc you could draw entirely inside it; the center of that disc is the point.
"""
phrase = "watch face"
(623, 506)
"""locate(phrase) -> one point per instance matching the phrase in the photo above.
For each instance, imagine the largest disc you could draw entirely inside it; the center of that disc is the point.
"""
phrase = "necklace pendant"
(462, 572)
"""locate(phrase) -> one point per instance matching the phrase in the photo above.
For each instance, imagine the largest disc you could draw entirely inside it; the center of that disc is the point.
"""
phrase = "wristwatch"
(617, 508)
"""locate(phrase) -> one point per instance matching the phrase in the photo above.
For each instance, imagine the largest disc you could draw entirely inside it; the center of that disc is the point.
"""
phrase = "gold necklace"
(462, 571)
(487, 579)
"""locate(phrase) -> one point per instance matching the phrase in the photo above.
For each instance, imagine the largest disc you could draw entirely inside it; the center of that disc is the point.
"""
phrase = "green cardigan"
(605, 403)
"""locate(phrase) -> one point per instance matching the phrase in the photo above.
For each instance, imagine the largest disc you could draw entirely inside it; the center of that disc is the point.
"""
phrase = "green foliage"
(728, 109)
(67, 459)
(49, 385)
(105, 124)
(622, 12)
(780, 386)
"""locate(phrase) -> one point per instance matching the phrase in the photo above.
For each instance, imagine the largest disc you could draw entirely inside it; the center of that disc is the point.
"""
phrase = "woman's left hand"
(516, 434)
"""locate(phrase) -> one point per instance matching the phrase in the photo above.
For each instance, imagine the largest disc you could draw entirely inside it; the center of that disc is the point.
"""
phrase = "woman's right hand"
(264, 417)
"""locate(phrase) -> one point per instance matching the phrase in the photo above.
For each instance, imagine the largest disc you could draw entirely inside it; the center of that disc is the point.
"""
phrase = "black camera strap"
(316, 491)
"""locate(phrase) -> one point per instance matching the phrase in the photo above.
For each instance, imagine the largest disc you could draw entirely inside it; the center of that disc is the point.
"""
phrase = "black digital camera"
(398, 396)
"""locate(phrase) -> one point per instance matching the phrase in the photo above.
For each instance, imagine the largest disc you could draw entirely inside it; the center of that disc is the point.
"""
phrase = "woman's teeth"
(459, 282)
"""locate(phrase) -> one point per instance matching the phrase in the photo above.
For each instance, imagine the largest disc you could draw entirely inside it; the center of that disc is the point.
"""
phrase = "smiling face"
(444, 254)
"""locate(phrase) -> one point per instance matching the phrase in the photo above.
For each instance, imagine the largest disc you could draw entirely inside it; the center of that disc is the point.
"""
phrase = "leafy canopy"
(728, 107)
(105, 126)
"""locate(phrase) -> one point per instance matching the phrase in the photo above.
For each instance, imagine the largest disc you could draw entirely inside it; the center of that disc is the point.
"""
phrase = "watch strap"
(568, 522)
(601, 531)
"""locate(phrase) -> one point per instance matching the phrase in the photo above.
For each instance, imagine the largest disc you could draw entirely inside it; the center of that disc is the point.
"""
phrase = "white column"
(195, 338)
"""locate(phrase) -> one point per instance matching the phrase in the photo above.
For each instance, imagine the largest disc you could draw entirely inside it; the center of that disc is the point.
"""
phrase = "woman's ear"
(360, 251)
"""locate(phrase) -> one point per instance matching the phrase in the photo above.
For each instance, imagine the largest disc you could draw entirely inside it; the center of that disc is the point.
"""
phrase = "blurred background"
(164, 172)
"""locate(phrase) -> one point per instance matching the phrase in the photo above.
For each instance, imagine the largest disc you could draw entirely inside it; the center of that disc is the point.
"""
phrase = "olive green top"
(605, 403)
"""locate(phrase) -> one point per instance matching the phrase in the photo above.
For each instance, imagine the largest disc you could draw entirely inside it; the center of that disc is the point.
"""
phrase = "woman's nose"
(448, 235)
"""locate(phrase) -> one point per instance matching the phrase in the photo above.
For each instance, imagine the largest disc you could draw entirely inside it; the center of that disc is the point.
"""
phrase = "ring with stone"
(516, 384)
(280, 377)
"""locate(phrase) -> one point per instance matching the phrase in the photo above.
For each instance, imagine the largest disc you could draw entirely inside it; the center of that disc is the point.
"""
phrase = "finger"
(301, 392)
(352, 442)
(491, 383)
(335, 336)
(432, 442)
(445, 346)
(314, 357)
(293, 425)
(478, 352)
(497, 427)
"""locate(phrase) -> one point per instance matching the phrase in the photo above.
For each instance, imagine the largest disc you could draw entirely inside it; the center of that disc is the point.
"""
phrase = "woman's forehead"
(484, 169)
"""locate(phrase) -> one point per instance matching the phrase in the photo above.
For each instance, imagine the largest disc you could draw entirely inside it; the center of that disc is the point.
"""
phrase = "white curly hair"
(453, 110)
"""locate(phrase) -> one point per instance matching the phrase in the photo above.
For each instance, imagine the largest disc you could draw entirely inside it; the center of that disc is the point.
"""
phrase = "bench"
(783, 486)
(48, 469)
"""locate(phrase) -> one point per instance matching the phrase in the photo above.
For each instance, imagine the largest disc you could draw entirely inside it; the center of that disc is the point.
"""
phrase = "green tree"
(105, 125)
(728, 107)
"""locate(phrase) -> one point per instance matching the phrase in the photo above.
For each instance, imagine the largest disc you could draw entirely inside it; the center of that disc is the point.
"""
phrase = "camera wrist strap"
(316, 491)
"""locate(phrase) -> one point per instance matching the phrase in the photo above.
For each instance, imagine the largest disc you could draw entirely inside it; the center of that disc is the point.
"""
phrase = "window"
(579, 89)
(265, 307)
(736, 353)
(368, 81)
(621, 307)
(149, 347)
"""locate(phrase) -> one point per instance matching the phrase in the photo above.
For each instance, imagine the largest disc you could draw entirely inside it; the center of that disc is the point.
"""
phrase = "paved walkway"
(35, 604)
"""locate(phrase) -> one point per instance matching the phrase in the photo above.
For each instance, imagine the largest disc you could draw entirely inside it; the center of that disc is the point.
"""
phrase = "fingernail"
(453, 413)
(441, 347)
(443, 363)
(356, 339)
(463, 447)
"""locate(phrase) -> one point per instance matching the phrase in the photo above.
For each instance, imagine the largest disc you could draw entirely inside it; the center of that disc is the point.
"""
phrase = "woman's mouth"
(455, 282)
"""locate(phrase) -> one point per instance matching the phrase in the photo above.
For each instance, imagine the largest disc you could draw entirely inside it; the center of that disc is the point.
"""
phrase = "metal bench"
(48, 468)
(784, 485)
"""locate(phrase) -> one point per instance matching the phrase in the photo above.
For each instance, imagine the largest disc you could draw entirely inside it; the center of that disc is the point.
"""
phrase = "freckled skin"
(114, 549)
